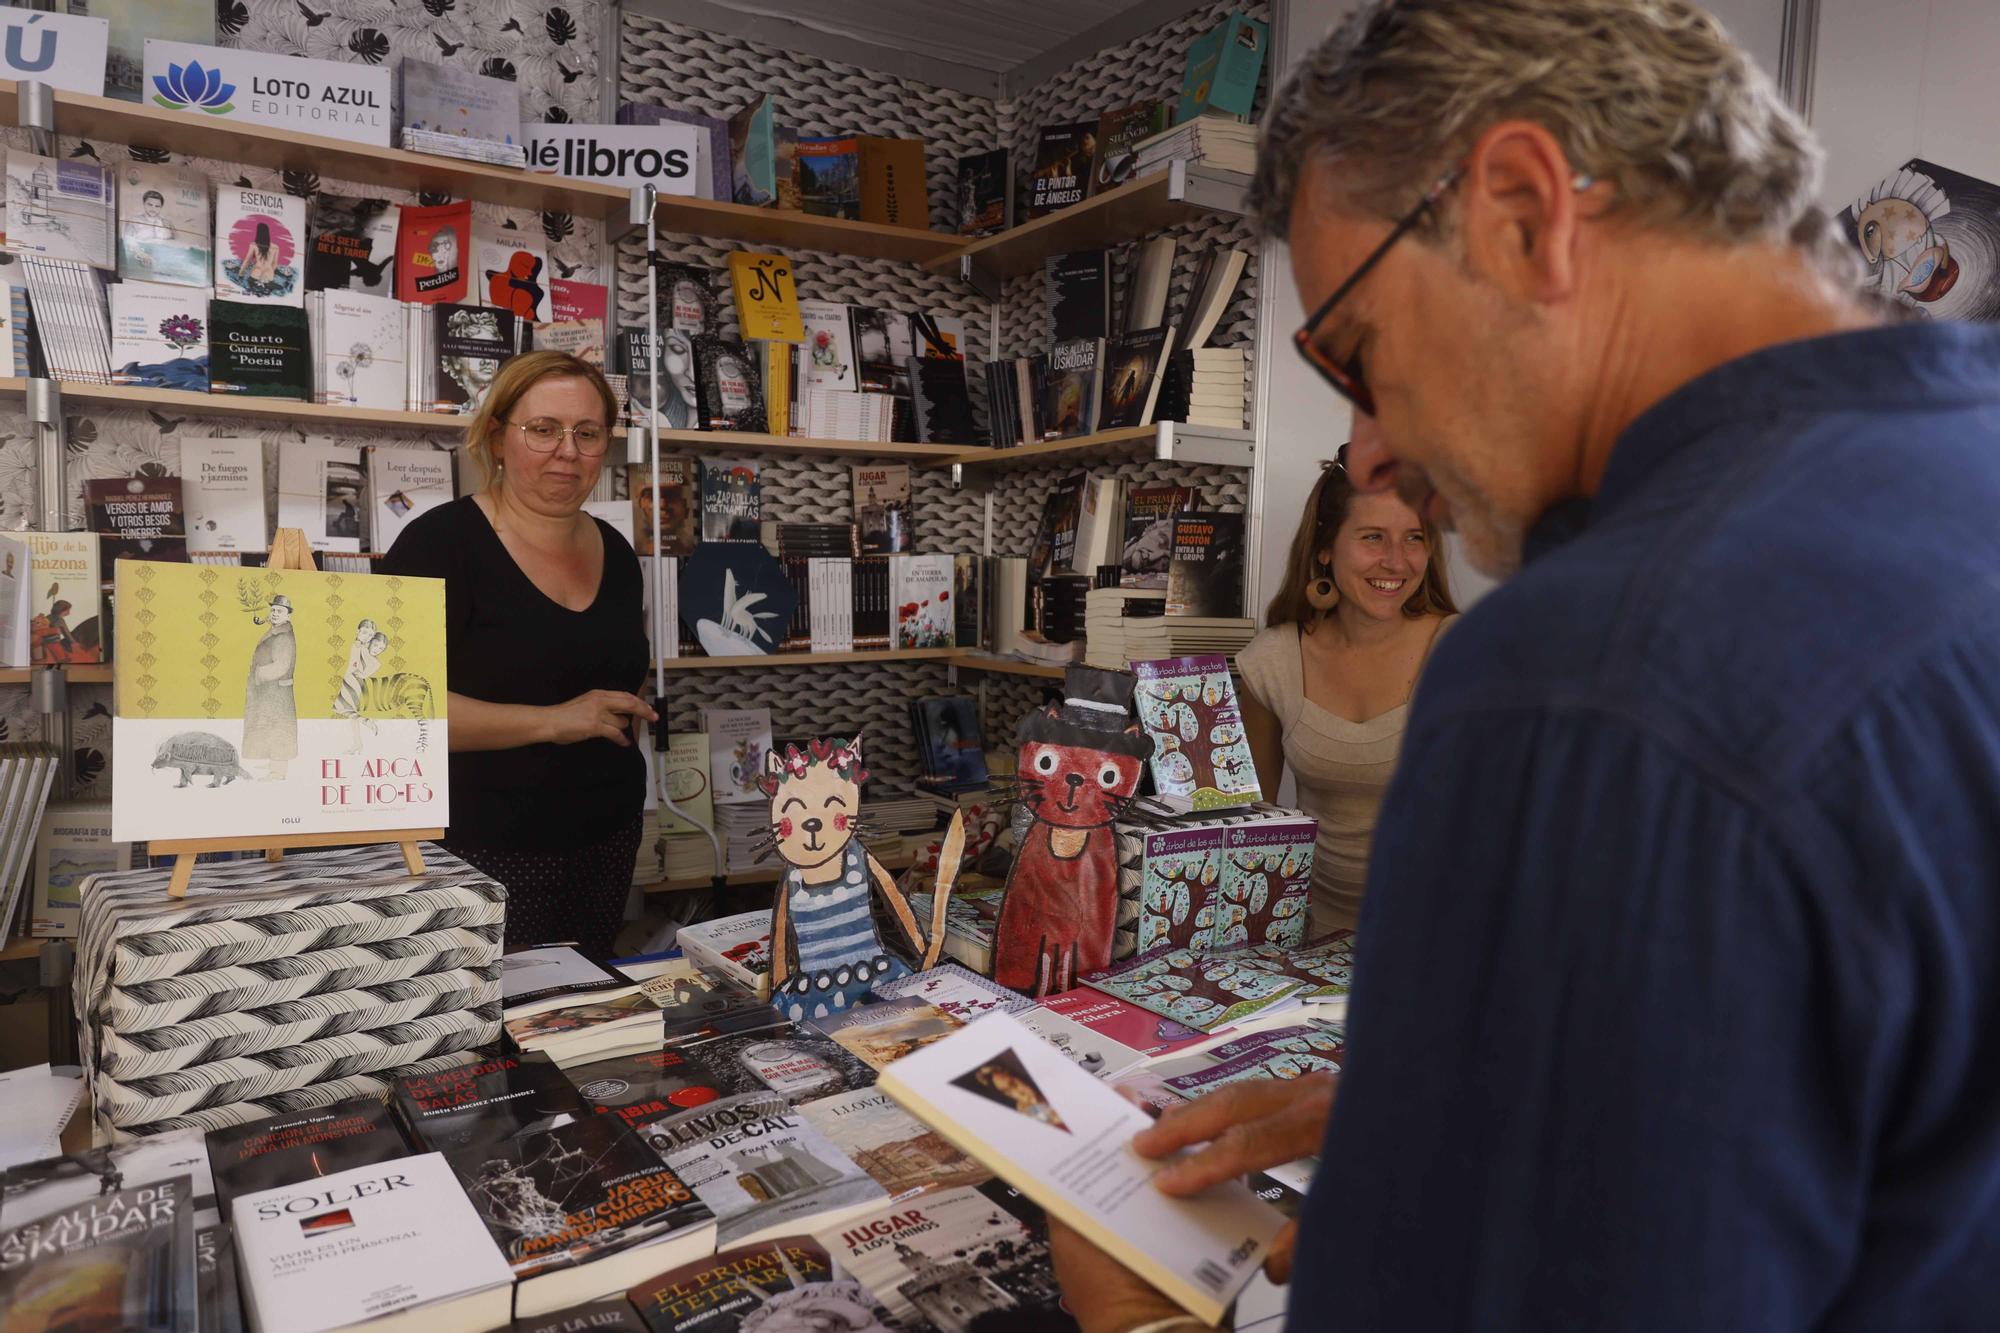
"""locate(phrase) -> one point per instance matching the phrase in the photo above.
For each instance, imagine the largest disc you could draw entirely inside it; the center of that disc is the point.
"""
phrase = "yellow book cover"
(767, 302)
(250, 702)
(63, 604)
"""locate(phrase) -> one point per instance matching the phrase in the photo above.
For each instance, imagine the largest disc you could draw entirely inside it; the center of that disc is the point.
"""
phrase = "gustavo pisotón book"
(352, 245)
(1050, 1129)
(368, 1242)
(581, 1209)
(1205, 572)
(789, 1283)
(483, 1101)
(1062, 167)
(292, 1149)
(261, 351)
(163, 225)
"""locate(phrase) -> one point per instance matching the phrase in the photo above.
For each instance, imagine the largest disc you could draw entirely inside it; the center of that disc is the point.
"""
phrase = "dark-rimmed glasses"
(1347, 377)
(543, 436)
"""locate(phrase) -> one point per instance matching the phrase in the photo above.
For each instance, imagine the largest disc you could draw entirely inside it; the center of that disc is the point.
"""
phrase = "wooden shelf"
(1128, 439)
(779, 444)
(740, 878)
(806, 659)
(21, 947)
(1176, 194)
(170, 402)
(81, 116)
(80, 673)
(1006, 666)
(717, 219)
(1166, 441)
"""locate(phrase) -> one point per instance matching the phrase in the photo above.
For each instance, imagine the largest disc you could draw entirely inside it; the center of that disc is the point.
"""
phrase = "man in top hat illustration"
(270, 710)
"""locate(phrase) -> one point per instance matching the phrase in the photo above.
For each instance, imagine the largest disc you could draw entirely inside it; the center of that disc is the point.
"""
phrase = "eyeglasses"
(543, 435)
(1347, 376)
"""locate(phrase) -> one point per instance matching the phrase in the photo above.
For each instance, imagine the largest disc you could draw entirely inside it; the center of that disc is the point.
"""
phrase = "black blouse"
(507, 642)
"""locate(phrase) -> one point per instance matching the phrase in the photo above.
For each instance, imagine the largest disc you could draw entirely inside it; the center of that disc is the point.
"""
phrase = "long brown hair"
(1326, 509)
(518, 375)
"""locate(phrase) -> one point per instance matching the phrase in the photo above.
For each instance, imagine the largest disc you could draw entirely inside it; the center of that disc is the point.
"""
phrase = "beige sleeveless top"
(1341, 769)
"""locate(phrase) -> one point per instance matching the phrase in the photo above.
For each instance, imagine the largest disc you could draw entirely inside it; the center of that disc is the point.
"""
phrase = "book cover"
(882, 507)
(1070, 396)
(798, 1065)
(351, 245)
(326, 690)
(513, 269)
(1079, 295)
(776, 1286)
(458, 103)
(73, 843)
(1142, 1030)
(920, 589)
(1019, 1105)
(1061, 173)
(296, 1147)
(737, 948)
(829, 346)
(60, 208)
(259, 350)
(985, 193)
(688, 300)
(470, 345)
(580, 338)
(955, 1260)
(687, 782)
(679, 407)
(830, 177)
(892, 187)
(1132, 366)
(64, 597)
(1054, 550)
(159, 336)
(136, 518)
(222, 484)
(1180, 885)
(731, 506)
(16, 601)
(612, 1314)
(767, 302)
(878, 1034)
(164, 225)
(953, 751)
(738, 740)
(122, 1259)
(970, 590)
(1148, 537)
(570, 300)
(541, 978)
(1205, 567)
(761, 1167)
(731, 394)
(648, 1085)
(1118, 134)
(258, 237)
(1223, 66)
(1093, 1052)
(1266, 889)
(899, 1152)
(402, 485)
(678, 503)
(1209, 990)
(323, 493)
(362, 352)
(483, 1101)
(1200, 759)
(432, 247)
(368, 1242)
(752, 155)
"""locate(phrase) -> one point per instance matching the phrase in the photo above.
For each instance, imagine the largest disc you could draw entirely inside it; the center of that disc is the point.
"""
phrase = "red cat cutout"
(1060, 915)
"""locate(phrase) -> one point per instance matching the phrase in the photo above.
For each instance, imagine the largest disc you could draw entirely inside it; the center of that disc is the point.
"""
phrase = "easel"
(288, 551)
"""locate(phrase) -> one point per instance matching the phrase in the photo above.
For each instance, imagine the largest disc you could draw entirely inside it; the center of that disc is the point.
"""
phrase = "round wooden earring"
(1322, 594)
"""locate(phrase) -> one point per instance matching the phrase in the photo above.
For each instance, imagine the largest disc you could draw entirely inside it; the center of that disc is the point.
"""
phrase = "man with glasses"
(1677, 1002)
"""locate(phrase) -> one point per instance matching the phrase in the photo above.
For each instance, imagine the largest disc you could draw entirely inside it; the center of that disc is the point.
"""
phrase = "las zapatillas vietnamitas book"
(254, 702)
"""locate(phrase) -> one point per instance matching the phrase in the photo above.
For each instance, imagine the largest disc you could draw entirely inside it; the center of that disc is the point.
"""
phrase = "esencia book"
(259, 236)
(483, 1101)
(1050, 1129)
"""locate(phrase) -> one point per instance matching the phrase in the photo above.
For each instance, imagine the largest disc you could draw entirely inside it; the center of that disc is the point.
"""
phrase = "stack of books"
(1207, 141)
(736, 947)
(1203, 385)
(452, 112)
(1107, 612)
(1156, 637)
(27, 770)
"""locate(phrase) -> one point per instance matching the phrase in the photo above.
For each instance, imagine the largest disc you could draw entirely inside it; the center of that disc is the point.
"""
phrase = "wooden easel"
(288, 551)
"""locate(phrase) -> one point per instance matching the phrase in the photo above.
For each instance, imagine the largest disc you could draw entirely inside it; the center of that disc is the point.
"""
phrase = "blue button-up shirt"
(1678, 996)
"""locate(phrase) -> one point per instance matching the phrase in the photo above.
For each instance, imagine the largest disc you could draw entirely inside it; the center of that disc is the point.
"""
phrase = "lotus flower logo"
(190, 85)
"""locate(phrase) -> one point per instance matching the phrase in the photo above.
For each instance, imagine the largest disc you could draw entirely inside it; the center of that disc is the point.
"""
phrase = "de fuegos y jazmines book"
(483, 1100)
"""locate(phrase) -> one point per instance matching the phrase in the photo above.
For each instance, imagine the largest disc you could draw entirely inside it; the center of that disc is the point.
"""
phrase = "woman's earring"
(1321, 592)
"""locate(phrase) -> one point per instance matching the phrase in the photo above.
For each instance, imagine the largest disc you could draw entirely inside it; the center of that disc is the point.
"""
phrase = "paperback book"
(1148, 537)
(1096, 1054)
(899, 1152)
(65, 598)
(1132, 366)
(798, 1065)
(403, 484)
(1118, 133)
(1061, 172)
(1205, 566)
(360, 344)
(159, 336)
(73, 843)
(880, 1034)
(882, 507)
(829, 346)
(259, 350)
(920, 589)
(1120, 1021)
(730, 393)
(351, 245)
(258, 237)
(222, 484)
(985, 193)
(767, 302)
(433, 250)
(1079, 295)
(1201, 760)
(453, 111)
(731, 507)
(679, 407)
(60, 208)
(688, 299)
(513, 271)
(299, 1146)
(323, 493)
(164, 225)
(136, 518)
(471, 344)
(678, 501)
(1219, 989)
(123, 1258)
(483, 1101)
(1073, 392)
(773, 1287)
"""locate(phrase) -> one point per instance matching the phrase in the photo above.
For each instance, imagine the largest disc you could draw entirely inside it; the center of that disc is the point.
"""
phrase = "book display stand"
(288, 551)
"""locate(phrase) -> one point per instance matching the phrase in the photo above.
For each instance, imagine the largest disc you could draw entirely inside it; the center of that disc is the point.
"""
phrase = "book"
(1120, 1021)
(258, 239)
(548, 977)
(679, 407)
(512, 267)
(588, 1028)
(1017, 1104)
(1208, 299)
(880, 1033)
(452, 111)
(321, 492)
(16, 601)
(73, 843)
(222, 484)
(679, 502)
(891, 182)
(1148, 279)
(482, 1101)
(752, 154)
(882, 507)
(259, 350)
(713, 174)
(642, 1087)
(351, 245)
(470, 344)
(899, 1152)
(61, 208)
(767, 303)
(1079, 295)
(1061, 172)
(611, 1314)
(1266, 891)
(296, 1147)
(136, 518)
(64, 598)
(731, 505)
(830, 176)
(1180, 884)
(360, 349)
(1118, 133)
(1205, 566)
(1073, 390)
(687, 783)
(1200, 759)
(1223, 66)
(730, 393)
(122, 1258)
(798, 1065)
(781, 1284)
(688, 299)
(403, 484)
(570, 300)
(1147, 540)
(985, 193)
(580, 338)
(737, 948)
(949, 744)
(367, 1243)
(1132, 366)
(1093, 1052)
(155, 327)
(432, 247)
(762, 1168)
(828, 362)
(164, 225)
(920, 590)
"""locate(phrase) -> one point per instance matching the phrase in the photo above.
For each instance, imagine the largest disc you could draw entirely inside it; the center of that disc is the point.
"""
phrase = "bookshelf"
(740, 878)
(672, 664)
(81, 673)
(180, 402)
(1165, 441)
(1006, 666)
(720, 220)
(751, 442)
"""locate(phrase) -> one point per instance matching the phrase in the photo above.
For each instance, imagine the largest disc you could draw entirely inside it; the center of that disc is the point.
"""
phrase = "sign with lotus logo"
(324, 97)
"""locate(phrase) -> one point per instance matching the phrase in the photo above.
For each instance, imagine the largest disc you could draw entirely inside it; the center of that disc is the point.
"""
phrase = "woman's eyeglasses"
(543, 435)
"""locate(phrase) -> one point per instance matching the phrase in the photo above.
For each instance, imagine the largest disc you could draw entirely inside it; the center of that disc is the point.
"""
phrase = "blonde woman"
(1327, 683)
(546, 642)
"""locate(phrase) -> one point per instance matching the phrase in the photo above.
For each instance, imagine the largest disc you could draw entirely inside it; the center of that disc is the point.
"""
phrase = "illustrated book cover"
(786, 1285)
(1200, 759)
(1061, 172)
(434, 252)
(159, 336)
(259, 237)
(164, 225)
(259, 350)
(351, 245)
(1148, 538)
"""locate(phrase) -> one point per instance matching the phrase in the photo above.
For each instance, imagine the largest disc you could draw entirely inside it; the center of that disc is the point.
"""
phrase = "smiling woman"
(1327, 685)
(545, 642)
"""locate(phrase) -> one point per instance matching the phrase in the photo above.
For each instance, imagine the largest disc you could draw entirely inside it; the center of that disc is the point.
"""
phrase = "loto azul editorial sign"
(325, 97)
(57, 49)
